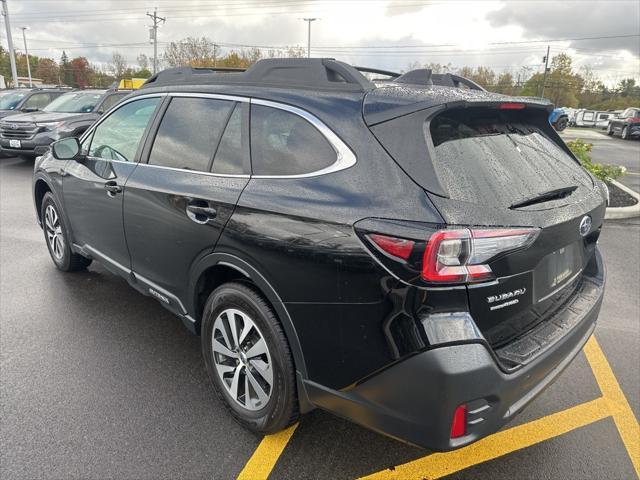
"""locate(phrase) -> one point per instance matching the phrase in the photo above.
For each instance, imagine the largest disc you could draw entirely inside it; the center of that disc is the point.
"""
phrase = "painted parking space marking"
(439, 465)
(617, 403)
(266, 455)
(613, 403)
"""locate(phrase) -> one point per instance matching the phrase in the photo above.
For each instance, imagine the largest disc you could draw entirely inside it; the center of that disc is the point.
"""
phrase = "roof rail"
(316, 73)
(424, 76)
(377, 71)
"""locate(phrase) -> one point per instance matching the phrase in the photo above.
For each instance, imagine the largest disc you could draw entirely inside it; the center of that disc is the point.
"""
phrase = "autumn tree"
(82, 74)
(48, 70)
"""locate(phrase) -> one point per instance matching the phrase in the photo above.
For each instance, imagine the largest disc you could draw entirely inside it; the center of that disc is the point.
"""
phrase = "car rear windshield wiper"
(545, 196)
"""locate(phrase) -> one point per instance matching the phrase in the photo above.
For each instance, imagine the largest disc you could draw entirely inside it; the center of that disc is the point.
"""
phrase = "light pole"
(26, 51)
(309, 20)
(12, 57)
(154, 32)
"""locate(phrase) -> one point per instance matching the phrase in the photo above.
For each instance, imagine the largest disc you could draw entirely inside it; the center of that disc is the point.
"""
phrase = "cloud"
(571, 19)
(459, 32)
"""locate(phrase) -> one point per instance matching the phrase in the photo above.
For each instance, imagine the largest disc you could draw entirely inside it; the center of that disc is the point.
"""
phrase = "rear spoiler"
(450, 98)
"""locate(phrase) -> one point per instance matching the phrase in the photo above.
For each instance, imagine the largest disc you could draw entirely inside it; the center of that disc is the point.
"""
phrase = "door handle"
(200, 213)
(112, 188)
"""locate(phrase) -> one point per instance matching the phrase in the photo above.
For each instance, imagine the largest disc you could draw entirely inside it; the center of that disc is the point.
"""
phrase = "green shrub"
(599, 170)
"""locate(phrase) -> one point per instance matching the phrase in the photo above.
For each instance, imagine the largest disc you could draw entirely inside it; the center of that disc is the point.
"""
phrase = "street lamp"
(309, 20)
(26, 51)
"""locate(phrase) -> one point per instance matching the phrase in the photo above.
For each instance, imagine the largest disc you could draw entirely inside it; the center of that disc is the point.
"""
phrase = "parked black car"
(22, 100)
(627, 125)
(69, 115)
(421, 259)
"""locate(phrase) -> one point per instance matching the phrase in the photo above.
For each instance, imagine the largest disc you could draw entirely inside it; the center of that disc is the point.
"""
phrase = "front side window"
(189, 132)
(74, 102)
(283, 143)
(110, 101)
(119, 135)
(37, 101)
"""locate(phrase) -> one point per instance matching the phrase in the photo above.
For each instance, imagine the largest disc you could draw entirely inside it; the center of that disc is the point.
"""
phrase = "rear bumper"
(414, 400)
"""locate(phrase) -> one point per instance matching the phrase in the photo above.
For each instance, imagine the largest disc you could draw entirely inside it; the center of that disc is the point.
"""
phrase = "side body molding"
(232, 261)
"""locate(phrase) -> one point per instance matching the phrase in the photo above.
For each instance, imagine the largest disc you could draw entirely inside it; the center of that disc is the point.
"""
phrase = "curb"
(616, 213)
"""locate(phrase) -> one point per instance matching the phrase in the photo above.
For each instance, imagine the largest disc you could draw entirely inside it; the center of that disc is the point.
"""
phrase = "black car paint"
(348, 319)
(631, 122)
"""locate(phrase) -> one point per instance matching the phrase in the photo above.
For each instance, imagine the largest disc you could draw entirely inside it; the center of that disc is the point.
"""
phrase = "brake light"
(458, 256)
(396, 247)
(511, 106)
(459, 423)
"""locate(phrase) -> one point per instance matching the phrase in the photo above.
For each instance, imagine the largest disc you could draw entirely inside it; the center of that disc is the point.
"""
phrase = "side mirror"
(29, 110)
(67, 149)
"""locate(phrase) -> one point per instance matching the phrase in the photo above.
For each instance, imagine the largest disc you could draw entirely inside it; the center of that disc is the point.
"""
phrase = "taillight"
(447, 256)
(396, 247)
(459, 256)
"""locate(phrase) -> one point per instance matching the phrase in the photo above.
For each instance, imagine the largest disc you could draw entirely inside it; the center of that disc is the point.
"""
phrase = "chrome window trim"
(198, 172)
(345, 158)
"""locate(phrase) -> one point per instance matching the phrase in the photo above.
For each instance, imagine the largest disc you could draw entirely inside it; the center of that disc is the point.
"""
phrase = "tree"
(65, 69)
(118, 65)
(627, 87)
(48, 70)
(505, 84)
(82, 74)
(143, 62)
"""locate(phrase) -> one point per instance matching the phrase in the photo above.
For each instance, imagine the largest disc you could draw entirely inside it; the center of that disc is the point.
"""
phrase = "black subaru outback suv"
(417, 255)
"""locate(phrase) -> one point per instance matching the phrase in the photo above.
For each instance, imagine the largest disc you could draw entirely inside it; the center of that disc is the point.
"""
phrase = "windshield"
(76, 102)
(10, 101)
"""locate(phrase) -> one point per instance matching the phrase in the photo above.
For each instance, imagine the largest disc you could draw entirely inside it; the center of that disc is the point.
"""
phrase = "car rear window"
(498, 157)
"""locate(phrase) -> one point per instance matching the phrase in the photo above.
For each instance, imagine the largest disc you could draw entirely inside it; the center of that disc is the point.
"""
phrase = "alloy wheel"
(242, 359)
(55, 236)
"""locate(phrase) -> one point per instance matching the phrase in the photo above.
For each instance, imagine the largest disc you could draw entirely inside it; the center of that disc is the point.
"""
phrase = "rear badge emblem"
(585, 225)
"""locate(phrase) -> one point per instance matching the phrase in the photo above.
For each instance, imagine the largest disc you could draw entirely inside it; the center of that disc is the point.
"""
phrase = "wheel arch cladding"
(40, 188)
(218, 268)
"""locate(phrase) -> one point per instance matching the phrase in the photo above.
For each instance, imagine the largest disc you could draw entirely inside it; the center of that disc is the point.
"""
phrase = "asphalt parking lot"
(97, 381)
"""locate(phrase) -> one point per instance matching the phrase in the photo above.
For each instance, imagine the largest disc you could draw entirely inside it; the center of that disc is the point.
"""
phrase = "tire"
(609, 130)
(56, 236)
(562, 124)
(625, 133)
(276, 407)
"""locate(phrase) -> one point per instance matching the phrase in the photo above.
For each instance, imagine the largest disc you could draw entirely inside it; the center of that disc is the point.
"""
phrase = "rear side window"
(498, 157)
(189, 132)
(283, 143)
(233, 151)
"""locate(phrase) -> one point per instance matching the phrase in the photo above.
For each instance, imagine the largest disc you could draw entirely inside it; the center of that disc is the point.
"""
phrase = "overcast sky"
(505, 35)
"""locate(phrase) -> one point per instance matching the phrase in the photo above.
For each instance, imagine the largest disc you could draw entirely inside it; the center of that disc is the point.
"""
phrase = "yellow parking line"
(439, 465)
(617, 403)
(266, 455)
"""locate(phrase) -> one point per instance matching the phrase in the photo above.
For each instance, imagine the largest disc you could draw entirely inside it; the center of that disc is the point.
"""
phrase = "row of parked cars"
(32, 118)
(625, 123)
